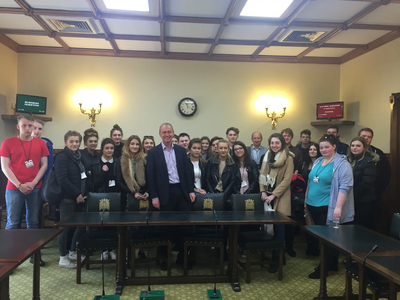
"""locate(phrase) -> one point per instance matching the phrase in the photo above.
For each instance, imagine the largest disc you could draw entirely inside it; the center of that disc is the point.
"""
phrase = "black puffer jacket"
(364, 173)
(252, 173)
(69, 176)
(227, 178)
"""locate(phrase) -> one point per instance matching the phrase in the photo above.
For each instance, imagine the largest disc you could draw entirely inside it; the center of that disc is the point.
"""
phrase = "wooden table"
(5, 270)
(386, 263)
(348, 239)
(17, 245)
(122, 220)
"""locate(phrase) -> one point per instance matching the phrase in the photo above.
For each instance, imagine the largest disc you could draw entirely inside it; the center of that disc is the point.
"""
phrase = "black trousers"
(365, 214)
(177, 201)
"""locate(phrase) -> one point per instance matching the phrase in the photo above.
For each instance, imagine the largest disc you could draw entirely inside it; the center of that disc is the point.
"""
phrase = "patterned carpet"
(57, 283)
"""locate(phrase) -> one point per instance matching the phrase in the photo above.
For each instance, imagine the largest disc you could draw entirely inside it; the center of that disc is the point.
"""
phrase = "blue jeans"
(15, 200)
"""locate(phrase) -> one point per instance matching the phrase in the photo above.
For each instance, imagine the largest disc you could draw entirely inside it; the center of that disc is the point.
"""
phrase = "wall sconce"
(91, 115)
(274, 117)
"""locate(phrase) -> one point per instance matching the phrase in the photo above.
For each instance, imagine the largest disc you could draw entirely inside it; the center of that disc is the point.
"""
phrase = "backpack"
(51, 192)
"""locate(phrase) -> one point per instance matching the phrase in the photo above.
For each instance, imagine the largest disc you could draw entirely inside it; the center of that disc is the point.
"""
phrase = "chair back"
(209, 201)
(137, 205)
(247, 202)
(108, 201)
(395, 227)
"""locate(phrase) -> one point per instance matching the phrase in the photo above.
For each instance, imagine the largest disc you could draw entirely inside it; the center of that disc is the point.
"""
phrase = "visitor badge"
(244, 183)
(29, 163)
(316, 179)
(83, 175)
(111, 183)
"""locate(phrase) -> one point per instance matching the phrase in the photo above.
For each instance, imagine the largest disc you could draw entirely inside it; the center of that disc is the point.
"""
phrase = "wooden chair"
(139, 239)
(256, 241)
(204, 236)
(94, 240)
(378, 285)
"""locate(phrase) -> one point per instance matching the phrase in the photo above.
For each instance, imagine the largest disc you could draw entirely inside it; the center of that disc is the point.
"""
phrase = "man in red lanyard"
(24, 162)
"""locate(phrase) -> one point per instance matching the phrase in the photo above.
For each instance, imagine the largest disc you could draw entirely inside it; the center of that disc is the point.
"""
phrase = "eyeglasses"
(92, 133)
(238, 149)
(148, 137)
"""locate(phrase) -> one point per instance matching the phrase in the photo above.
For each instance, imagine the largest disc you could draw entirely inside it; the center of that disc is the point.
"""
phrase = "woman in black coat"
(220, 174)
(246, 175)
(364, 173)
(199, 165)
(104, 170)
(71, 176)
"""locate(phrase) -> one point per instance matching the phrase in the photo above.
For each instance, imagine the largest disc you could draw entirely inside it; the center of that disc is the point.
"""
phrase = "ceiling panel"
(234, 49)
(8, 3)
(197, 8)
(31, 40)
(57, 4)
(133, 27)
(283, 51)
(386, 15)
(188, 47)
(18, 22)
(247, 32)
(87, 43)
(138, 45)
(357, 36)
(331, 11)
(207, 31)
(329, 52)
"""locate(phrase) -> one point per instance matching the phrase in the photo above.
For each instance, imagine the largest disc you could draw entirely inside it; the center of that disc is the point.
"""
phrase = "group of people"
(343, 181)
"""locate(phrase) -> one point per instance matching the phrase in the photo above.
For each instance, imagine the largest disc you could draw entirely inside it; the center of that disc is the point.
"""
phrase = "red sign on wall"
(332, 110)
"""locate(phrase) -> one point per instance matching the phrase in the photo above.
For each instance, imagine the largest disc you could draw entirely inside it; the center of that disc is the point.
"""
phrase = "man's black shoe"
(42, 263)
(291, 252)
(317, 272)
(164, 266)
(273, 268)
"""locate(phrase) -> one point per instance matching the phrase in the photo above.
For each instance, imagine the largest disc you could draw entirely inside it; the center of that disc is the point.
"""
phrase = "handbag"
(268, 228)
(51, 192)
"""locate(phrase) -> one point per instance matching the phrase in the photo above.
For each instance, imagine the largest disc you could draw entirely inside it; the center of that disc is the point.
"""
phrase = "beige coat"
(282, 173)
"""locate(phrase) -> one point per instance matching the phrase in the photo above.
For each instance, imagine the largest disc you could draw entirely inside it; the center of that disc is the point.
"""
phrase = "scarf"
(134, 179)
(77, 158)
(270, 167)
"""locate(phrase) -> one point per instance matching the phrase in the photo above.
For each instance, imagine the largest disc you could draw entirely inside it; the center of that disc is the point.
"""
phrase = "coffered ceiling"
(201, 30)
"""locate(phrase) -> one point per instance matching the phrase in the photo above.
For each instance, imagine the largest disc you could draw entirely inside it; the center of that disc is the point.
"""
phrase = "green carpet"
(57, 283)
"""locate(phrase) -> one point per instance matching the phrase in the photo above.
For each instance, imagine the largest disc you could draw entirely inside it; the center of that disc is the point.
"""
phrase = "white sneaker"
(113, 255)
(104, 255)
(66, 263)
(72, 256)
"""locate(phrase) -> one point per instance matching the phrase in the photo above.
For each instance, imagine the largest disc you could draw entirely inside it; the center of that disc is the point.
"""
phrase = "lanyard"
(319, 167)
(30, 147)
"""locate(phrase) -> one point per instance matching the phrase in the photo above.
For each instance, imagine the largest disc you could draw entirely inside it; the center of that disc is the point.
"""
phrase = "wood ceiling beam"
(178, 56)
(109, 37)
(224, 24)
(280, 29)
(304, 53)
(387, 38)
(38, 19)
(6, 41)
(11, 10)
(345, 25)
(161, 8)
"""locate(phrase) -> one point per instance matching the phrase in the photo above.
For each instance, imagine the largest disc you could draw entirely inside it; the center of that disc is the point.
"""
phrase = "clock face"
(187, 107)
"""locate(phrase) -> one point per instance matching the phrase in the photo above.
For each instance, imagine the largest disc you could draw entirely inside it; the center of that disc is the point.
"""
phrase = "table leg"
(233, 257)
(36, 276)
(392, 291)
(323, 269)
(361, 282)
(4, 288)
(119, 282)
(348, 294)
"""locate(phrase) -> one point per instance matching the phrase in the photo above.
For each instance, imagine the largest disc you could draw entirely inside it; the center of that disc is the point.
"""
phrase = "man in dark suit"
(169, 174)
(341, 148)
(170, 181)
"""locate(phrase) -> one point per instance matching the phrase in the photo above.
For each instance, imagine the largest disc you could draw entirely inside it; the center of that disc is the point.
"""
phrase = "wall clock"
(187, 107)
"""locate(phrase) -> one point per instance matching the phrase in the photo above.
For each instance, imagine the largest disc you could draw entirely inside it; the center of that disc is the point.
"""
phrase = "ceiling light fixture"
(133, 5)
(265, 8)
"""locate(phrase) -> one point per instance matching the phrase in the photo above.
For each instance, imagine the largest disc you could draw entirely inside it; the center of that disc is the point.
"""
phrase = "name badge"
(243, 184)
(29, 163)
(316, 179)
(111, 183)
(83, 175)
